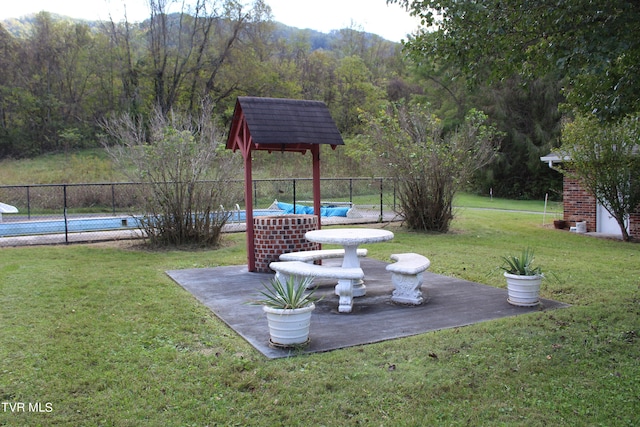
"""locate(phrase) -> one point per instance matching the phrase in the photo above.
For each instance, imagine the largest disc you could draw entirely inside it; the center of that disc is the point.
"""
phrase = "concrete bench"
(311, 256)
(406, 275)
(345, 277)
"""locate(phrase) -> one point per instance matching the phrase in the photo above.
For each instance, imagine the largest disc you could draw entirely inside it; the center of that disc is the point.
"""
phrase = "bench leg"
(344, 290)
(407, 289)
(358, 288)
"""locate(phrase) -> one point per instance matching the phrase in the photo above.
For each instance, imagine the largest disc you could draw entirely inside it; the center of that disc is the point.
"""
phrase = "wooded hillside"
(61, 77)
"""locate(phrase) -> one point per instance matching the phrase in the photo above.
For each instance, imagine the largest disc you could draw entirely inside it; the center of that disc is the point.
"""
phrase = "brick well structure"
(279, 125)
(276, 235)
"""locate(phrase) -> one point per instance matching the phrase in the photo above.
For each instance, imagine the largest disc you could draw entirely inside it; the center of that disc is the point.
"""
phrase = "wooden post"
(315, 151)
(244, 141)
(248, 201)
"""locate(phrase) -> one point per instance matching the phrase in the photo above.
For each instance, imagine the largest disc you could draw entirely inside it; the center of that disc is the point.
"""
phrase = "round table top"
(349, 236)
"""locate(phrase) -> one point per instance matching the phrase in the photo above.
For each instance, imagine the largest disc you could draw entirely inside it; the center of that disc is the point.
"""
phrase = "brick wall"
(579, 205)
(276, 235)
(634, 224)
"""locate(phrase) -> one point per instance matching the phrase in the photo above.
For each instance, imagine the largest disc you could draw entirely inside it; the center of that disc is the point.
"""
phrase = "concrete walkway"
(451, 303)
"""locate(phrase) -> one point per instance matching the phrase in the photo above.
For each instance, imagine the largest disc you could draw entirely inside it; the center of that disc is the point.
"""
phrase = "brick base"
(275, 235)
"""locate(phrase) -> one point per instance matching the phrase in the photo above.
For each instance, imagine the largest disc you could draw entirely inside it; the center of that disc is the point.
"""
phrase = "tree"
(181, 45)
(356, 93)
(606, 160)
(525, 111)
(171, 160)
(528, 115)
(60, 77)
(41, 64)
(8, 101)
(428, 166)
(594, 45)
(318, 76)
(120, 79)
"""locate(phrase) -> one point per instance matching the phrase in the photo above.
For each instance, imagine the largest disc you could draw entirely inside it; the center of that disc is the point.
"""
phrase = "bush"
(170, 158)
(428, 166)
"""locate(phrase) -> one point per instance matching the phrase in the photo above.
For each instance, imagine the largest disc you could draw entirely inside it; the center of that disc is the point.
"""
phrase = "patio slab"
(451, 303)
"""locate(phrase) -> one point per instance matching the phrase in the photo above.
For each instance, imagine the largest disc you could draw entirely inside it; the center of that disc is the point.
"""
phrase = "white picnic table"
(349, 239)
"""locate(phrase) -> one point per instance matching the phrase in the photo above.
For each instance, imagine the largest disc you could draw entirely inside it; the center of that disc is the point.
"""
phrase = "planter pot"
(523, 291)
(559, 224)
(289, 328)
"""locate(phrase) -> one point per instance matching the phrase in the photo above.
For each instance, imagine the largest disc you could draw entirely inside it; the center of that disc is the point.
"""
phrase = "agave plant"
(291, 294)
(521, 265)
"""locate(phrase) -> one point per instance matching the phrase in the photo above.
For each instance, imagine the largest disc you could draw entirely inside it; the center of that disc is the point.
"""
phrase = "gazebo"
(278, 124)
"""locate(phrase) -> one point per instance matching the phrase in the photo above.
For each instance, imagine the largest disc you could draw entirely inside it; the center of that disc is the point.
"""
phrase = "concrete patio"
(451, 303)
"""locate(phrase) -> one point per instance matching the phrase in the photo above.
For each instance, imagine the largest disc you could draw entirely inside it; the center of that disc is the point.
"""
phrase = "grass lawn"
(98, 335)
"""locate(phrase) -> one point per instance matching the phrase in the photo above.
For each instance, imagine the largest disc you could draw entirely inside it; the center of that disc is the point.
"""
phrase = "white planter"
(289, 328)
(523, 291)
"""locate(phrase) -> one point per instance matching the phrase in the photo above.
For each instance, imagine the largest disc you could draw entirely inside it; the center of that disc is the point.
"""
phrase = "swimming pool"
(241, 215)
(79, 225)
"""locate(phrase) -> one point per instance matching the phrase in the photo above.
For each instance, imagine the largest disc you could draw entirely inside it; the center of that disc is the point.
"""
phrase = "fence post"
(381, 199)
(294, 196)
(66, 224)
(255, 190)
(28, 202)
(113, 199)
(351, 190)
(394, 195)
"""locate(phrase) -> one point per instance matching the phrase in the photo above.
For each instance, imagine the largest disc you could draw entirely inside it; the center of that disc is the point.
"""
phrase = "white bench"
(345, 277)
(311, 256)
(406, 275)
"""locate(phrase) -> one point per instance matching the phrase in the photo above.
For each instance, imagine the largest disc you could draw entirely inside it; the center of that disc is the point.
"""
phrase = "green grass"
(91, 165)
(482, 202)
(108, 339)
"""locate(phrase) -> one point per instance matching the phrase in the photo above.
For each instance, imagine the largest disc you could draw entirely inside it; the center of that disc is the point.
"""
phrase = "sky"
(391, 22)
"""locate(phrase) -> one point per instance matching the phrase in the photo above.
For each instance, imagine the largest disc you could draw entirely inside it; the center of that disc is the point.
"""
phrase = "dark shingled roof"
(277, 123)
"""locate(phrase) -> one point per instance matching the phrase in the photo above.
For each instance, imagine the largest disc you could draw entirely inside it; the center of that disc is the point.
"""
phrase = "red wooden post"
(248, 201)
(242, 140)
(315, 152)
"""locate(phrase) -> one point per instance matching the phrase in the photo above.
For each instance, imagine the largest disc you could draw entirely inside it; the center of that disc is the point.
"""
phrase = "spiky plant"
(521, 265)
(291, 294)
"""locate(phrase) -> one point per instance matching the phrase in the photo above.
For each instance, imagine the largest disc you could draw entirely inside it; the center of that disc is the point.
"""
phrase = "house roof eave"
(554, 158)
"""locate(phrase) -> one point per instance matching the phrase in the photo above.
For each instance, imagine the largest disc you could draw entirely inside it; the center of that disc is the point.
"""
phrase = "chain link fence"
(66, 213)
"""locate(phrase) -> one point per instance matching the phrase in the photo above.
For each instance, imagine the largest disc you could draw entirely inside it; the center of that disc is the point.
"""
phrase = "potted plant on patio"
(559, 224)
(288, 305)
(523, 279)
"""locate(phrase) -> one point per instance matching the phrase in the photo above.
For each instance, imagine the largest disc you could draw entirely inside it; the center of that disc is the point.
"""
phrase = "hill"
(21, 27)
